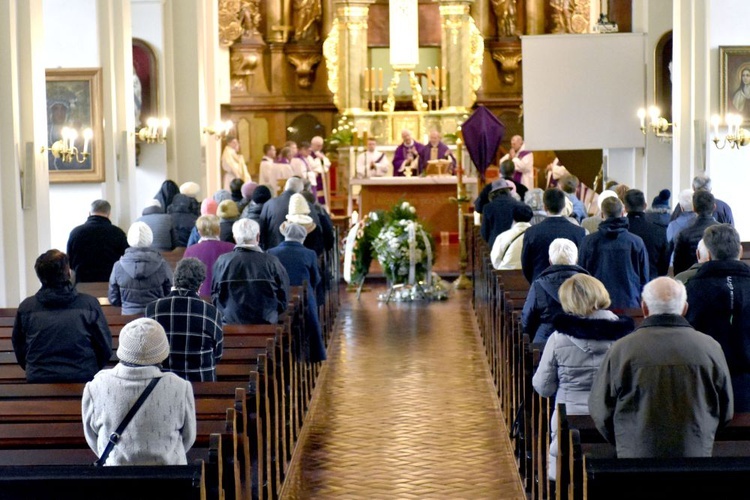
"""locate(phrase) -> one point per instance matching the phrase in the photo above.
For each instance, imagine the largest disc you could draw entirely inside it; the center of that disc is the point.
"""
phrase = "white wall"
(70, 41)
(728, 169)
(148, 25)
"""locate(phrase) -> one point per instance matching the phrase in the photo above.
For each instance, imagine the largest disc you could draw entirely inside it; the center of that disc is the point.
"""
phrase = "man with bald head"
(407, 155)
(436, 149)
(523, 161)
(663, 390)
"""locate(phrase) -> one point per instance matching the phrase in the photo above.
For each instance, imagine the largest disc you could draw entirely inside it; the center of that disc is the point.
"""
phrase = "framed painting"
(74, 100)
(145, 84)
(734, 86)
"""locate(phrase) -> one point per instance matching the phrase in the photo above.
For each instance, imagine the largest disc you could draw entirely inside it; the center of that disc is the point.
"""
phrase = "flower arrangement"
(367, 230)
(342, 135)
(399, 238)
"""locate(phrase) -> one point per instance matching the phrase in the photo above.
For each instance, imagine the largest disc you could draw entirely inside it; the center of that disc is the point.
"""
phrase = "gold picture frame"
(74, 99)
(734, 94)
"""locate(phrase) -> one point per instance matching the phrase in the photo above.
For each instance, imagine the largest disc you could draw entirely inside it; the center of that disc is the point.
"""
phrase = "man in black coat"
(537, 239)
(274, 213)
(686, 242)
(719, 298)
(95, 246)
(653, 235)
(497, 215)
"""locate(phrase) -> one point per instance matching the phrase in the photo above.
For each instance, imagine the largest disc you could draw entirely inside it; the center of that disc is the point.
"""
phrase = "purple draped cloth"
(482, 133)
(401, 154)
(443, 153)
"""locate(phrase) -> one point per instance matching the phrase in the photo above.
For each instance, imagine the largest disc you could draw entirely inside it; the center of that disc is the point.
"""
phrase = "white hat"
(190, 189)
(140, 235)
(299, 210)
(293, 232)
(143, 342)
(607, 193)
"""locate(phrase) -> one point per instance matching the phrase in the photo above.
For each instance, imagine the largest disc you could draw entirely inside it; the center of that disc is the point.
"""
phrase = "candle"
(72, 136)
(164, 126)
(367, 80)
(444, 79)
(436, 76)
(380, 78)
(642, 117)
(715, 122)
(459, 169)
(429, 78)
(87, 135)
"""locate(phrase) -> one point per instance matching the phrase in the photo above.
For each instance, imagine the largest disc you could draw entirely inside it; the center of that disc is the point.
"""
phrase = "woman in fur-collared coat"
(574, 351)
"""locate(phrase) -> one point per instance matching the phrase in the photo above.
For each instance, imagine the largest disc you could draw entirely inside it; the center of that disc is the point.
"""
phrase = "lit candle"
(87, 135)
(367, 80)
(73, 135)
(654, 113)
(642, 117)
(380, 77)
(151, 122)
(164, 127)
(715, 122)
(444, 78)
(64, 133)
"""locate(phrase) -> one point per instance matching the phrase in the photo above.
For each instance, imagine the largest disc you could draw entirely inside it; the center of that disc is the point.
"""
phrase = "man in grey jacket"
(663, 390)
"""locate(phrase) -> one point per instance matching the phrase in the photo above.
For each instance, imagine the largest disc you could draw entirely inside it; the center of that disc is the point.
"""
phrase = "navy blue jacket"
(654, 237)
(94, 247)
(497, 216)
(183, 218)
(537, 239)
(301, 265)
(618, 259)
(722, 213)
(543, 302)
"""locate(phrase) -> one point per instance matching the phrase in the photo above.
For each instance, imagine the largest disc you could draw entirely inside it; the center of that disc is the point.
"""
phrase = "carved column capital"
(509, 62)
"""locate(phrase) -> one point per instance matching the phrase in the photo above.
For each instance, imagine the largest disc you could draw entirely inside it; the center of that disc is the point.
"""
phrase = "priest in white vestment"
(371, 162)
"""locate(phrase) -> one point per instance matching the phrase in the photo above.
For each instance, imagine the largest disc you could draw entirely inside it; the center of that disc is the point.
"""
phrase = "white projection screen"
(583, 91)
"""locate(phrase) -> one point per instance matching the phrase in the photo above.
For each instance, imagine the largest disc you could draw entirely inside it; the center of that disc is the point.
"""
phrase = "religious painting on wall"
(663, 75)
(74, 123)
(734, 66)
(145, 89)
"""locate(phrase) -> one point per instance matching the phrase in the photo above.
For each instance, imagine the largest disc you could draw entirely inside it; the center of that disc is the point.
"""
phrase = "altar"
(429, 195)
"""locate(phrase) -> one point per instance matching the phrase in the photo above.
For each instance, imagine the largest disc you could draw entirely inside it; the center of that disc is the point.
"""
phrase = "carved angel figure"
(562, 15)
(250, 17)
(307, 14)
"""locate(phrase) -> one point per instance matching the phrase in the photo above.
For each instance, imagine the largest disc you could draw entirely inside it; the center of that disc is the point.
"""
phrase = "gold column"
(462, 52)
(534, 17)
(345, 50)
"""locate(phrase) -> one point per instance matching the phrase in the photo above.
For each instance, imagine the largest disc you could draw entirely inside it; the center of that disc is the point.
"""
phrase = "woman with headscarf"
(208, 207)
(166, 193)
(260, 196)
(228, 215)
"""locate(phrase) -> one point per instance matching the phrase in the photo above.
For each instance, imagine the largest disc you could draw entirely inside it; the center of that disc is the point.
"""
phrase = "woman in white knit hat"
(163, 428)
(141, 275)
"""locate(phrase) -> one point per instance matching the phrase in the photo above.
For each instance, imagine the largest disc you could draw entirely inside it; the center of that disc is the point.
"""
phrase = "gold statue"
(505, 14)
(307, 16)
(562, 15)
(250, 17)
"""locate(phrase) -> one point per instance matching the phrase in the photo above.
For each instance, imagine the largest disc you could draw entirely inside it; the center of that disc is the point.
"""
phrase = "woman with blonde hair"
(583, 335)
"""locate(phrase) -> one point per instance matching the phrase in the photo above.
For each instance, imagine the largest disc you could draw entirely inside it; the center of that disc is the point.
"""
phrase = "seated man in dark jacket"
(616, 257)
(719, 298)
(249, 286)
(543, 303)
(60, 335)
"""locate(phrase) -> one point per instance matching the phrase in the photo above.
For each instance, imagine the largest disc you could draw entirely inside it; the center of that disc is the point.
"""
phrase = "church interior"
(415, 400)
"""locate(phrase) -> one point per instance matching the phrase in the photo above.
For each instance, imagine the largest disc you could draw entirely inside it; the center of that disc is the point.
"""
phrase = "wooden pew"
(110, 483)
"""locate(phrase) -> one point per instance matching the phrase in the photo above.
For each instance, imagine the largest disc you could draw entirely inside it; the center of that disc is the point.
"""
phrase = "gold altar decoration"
(570, 16)
(230, 21)
(304, 63)
(510, 63)
(476, 50)
(331, 54)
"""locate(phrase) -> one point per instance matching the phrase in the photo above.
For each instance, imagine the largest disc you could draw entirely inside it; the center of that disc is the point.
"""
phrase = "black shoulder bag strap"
(115, 436)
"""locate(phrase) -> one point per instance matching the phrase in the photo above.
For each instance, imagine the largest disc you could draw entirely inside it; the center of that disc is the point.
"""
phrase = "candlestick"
(87, 135)
(436, 75)
(715, 122)
(380, 78)
(367, 80)
(444, 78)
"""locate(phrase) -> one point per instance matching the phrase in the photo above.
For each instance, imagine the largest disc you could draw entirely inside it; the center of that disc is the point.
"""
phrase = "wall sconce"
(220, 129)
(66, 149)
(154, 131)
(736, 136)
(658, 124)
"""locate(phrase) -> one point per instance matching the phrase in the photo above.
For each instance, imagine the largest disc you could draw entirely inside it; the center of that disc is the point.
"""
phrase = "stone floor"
(406, 409)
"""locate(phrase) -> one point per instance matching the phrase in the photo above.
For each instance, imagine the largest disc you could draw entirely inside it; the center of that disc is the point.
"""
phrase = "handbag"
(114, 438)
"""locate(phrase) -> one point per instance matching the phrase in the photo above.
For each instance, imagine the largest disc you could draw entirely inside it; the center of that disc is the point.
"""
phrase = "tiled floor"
(406, 409)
